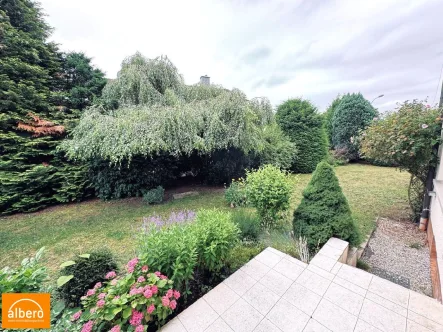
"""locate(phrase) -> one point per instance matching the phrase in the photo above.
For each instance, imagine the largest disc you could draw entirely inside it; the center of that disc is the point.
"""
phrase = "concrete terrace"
(275, 292)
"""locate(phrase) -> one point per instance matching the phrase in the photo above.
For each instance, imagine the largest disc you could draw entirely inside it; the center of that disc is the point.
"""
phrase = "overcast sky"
(278, 49)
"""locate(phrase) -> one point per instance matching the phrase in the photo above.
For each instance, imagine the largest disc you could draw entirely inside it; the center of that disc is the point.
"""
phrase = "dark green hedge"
(87, 272)
(353, 114)
(302, 123)
(328, 116)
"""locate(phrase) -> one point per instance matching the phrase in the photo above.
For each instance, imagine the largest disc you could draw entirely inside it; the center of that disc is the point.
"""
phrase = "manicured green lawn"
(77, 228)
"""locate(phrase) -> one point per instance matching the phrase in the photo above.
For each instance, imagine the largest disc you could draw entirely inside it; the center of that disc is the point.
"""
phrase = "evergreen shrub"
(86, 272)
(302, 123)
(154, 196)
(353, 114)
(324, 210)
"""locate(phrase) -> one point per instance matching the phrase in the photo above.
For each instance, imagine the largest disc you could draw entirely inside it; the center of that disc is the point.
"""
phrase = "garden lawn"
(78, 228)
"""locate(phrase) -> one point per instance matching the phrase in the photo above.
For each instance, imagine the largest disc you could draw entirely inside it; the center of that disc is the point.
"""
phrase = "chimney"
(205, 80)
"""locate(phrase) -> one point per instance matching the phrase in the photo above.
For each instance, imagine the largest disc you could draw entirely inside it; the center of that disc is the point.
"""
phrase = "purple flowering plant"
(175, 218)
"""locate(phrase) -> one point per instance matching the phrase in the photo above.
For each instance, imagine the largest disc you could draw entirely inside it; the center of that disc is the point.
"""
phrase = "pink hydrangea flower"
(169, 293)
(90, 292)
(154, 289)
(139, 328)
(92, 310)
(116, 297)
(101, 296)
(157, 273)
(133, 291)
(116, 328)
(136, 318)
(141, 279)
(100, 303)
(76, 316)
(147, 293)
(131, 264)
(110, 275)
(145, 268)
(151, 309)
(173, 304)
(163, 277)
(114, 282)
(98, 285)
(87, 327)
(177, 294)
(133, 261)
(165, 301)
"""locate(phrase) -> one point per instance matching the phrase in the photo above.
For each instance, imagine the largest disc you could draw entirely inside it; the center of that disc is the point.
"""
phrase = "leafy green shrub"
(337, 157)
(278, 150)
(328, 116)
(235, 194)
(248, 223)
(179, 248)
(28, 278)
(132, 302)
(171, 249)
(86, 270)
(241, 254)
(353, 114)
(216, 234)
(302, 123)
(155, 195)
(268, 190)
(324, 211)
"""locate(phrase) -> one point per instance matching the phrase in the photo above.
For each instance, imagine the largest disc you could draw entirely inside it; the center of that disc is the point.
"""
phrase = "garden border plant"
(268, 189)
(192, 243)
(130, 302)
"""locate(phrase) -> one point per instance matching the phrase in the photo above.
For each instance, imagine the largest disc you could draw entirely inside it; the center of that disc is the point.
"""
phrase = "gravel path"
(397, 251)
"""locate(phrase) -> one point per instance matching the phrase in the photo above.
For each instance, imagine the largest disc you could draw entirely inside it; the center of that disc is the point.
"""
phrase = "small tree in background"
(328, 116)
(353, 114)
(302, 123)
(324, 210)
(405, 138)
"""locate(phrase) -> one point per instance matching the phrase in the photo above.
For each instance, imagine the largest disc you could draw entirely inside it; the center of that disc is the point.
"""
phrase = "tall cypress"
(302, 123)
(32, 122)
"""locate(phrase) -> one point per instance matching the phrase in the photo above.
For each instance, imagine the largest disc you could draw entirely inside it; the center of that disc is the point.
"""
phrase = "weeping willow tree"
(149, 115)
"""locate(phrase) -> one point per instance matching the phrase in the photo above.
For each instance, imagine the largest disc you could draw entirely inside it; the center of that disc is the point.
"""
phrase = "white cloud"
(280, 49)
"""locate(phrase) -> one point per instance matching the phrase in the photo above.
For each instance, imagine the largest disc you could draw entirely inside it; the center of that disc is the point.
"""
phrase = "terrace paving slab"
(277, 293)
